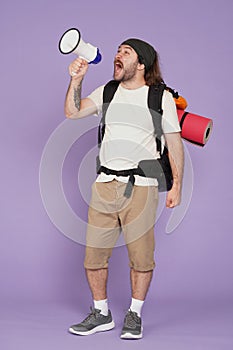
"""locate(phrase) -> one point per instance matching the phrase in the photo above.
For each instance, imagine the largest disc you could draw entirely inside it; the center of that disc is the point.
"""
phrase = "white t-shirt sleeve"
(97, 97)
(170, 122)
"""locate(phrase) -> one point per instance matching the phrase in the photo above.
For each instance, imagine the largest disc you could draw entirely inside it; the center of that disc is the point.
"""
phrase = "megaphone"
(71, 42)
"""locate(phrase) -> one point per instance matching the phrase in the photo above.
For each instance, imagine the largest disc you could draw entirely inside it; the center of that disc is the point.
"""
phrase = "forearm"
(176, 157)
(73, 98)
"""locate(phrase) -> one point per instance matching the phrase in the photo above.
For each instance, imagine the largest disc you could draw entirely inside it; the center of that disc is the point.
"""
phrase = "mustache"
(118, 62)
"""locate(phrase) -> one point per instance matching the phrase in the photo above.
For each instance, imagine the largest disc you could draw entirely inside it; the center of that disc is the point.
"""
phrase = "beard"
(122, 73)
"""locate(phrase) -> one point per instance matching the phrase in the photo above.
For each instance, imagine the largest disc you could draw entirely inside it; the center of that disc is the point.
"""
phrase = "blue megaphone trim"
(97, 59)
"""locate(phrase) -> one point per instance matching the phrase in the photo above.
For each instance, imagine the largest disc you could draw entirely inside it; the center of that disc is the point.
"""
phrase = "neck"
(133, 83)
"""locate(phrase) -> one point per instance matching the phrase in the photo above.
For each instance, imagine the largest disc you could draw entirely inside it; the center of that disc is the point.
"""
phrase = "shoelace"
(131, 319)
(92, 314)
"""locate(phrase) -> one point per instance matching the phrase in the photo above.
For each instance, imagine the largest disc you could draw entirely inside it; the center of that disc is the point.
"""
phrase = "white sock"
(136, 306)
(102, 305)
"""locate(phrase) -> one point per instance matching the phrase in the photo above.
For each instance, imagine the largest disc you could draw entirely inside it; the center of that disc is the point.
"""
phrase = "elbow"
(68, 114)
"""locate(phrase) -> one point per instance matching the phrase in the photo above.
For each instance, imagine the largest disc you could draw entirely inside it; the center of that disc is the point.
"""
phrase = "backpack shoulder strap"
(155, 95)
(173, 92)
(109, 90)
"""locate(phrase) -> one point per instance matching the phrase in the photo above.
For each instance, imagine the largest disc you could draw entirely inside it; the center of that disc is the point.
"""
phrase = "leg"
(142, 264)
(138, 226)
(140, 283)
(138, 220)
(97, 280)
(100, 318)
(141, 254)
(102, 233)
(96, 321)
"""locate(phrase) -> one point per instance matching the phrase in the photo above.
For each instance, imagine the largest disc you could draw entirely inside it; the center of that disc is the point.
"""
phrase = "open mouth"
(118, 66)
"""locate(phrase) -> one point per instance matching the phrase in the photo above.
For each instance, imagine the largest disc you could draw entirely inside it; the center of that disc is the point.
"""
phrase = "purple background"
(43, 288)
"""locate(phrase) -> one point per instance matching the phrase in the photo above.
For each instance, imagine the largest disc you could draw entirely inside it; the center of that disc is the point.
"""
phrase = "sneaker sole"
(101, 328)
(131, 336)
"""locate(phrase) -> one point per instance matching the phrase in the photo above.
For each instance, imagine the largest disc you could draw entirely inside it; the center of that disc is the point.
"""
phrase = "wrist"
(177, 183)
(76, 81)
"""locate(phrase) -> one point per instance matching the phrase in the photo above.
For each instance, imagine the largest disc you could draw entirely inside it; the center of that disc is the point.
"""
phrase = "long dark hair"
(153, 76)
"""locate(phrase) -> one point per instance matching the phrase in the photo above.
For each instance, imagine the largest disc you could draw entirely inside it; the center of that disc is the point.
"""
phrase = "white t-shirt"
(129, 132)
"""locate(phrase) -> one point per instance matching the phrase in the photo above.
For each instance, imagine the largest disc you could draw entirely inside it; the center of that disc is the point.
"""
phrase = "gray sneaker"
(94, 322)
(132, 328)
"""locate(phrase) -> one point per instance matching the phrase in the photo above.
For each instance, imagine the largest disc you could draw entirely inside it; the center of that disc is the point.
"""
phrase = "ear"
(141, 66)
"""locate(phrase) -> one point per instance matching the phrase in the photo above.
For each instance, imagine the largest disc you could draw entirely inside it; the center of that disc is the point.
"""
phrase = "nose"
(118, 56)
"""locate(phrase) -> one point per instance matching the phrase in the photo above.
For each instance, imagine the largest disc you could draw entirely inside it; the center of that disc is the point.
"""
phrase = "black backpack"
(154, 168)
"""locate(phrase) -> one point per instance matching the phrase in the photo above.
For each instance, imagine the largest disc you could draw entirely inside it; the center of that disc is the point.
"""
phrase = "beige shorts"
(110, 212)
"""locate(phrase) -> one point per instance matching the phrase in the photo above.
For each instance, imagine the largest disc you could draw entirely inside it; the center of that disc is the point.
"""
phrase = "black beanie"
(146, 53)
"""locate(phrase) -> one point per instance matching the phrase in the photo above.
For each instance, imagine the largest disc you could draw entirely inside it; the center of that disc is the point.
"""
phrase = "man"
(129, 138)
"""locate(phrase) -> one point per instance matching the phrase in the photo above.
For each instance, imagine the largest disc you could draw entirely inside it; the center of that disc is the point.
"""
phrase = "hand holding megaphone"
(78, 68)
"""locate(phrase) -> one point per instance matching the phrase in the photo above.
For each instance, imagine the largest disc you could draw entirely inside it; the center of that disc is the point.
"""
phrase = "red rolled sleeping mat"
(194, 128)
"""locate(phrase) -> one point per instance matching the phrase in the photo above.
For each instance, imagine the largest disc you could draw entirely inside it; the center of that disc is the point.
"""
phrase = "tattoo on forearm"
(77, 97)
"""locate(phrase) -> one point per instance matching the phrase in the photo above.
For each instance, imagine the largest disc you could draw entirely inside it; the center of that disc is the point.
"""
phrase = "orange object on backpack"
(181, 102)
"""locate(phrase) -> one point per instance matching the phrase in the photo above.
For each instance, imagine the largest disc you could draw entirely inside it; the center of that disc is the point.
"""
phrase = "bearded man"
(128, 139)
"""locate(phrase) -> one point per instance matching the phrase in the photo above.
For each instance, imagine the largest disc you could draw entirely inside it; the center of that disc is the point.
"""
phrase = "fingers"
(169, 203)
(172, 199)
(78, 64)
(78, 67)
